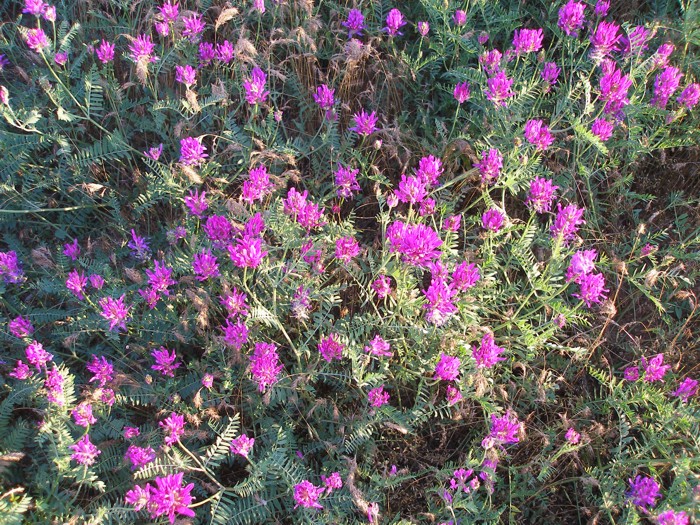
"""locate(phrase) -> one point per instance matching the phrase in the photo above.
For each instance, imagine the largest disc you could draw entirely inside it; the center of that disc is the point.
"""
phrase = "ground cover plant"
(344, 262)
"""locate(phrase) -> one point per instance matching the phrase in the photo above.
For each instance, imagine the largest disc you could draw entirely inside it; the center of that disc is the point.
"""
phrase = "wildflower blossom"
(571, 17)
(665, 84)
(504, 431)
(332, 482)
(101, 368)
(325, 99)
(488, 353)
(193, 27)
(34, 7)
(461, 92)
(141, 49)
(21, 371)
(464, 276)
(459, 17)
(115, 311)
(165, 360)
(169, 497)
(186, 75)
(208, 381)
(160, 278)
(265, 365)
(131, 432)
(601, 8)
(541, 194)
(248, 252)
(411, 189)
(429, 170)
(492, 219)
(582, 263)
(197, 203)
(439, 305)
(605, 39)
(643, 491)
(355, 23)
(218, 229)
(447, 368)
(527, 41)
(259, 6)
(4, 93)
(499, 88)
(105, 52)
(671, 517)
(490, 165)
(537, 134)
(235, 335)
(394, 22)
(224, 51)
(301, 303)
(378, 397)
(37, 40)
(235, 302)
(660, 58)
(82, 415)
(330, 348)
(154, 152)
(690, 96)
(491, 61)
(687, 389)
(206, 52)
(550, 73)
(258, 185)
(174, 425)
(10, 268)
(654, 369)
(365, 124)
(255, 92)
(205, 265)
(453, 395)
(378, 347)
(49, 13)
(150, 297)
(602, 129)
(423, 28)
(139, 247)
(242, 445)
(84, 452)
(71, 250)
(567, 221)
(631, 373)
(635, 42)
(192, 152)
(61, 58)
(572, 436)
(20, 327)
(306, 495)
(592, 289)
(346, 248)
(170, 11)
(417, 243)
(382, 286)
(346, 181)
(36, 355)
(452, 223)
(139, 456)
(54, 387)
(138, 497)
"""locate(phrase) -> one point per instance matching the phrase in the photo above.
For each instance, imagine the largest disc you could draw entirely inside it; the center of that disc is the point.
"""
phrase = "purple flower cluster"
(346, 181)
(257, 186)
(439, 306)
(490, 165)
(498, 89)
(265, 365)
(10, 268)
(331, 348)
(447, 368)
(665, 84)
(541, 194)
(644, 492)
(394, 22)
(84, 452)
(306, 495)
(571, 17)
(580, 271)
(378, 397)
(192, 152)
(168, 497)
(165, 361)
(504, 431)
(492, 219)
(355, 23)
(605, 39)
(527, 41)
(567, 221)
(417, 243)
(306, 213)
(242, 445)
(174, 425)
(537, 134)
(365, 124)
(325, 99)
(255, 92)
(488, 353)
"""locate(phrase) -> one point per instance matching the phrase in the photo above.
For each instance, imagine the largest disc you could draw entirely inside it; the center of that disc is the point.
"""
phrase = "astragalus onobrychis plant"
(328, 262)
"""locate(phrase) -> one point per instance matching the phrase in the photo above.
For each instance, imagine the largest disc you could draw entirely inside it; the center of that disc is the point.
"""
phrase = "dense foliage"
(325, 262)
